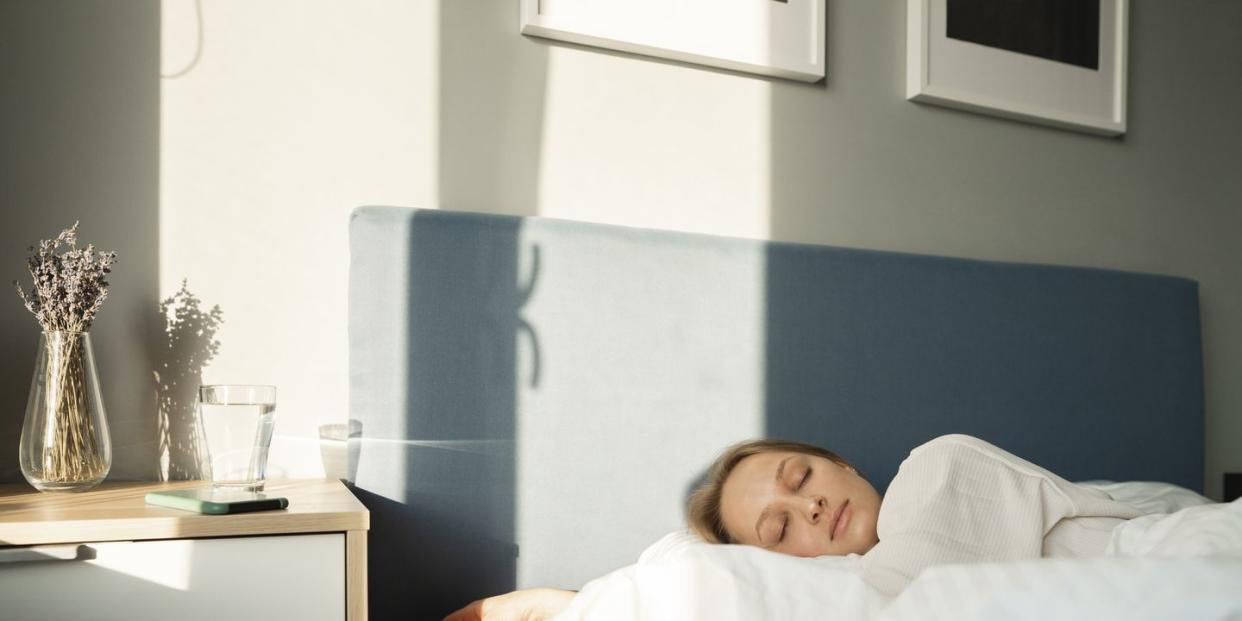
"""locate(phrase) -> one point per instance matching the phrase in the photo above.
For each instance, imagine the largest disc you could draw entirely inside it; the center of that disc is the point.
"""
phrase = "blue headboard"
(537, 396)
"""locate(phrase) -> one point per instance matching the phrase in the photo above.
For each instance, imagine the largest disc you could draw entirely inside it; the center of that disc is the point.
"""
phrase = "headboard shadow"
(536, 395)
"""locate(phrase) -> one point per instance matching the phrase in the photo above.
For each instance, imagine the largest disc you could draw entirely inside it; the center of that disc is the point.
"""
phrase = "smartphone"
(216, 501)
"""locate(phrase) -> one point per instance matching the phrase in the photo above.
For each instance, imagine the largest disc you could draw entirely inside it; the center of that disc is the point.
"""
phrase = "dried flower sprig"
(69, 287)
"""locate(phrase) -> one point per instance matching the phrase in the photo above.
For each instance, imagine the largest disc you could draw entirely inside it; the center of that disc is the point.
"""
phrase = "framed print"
(1053, 62)
(782, 38)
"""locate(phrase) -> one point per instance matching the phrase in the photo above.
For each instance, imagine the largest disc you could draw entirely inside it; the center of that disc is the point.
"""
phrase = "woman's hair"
(703, 508)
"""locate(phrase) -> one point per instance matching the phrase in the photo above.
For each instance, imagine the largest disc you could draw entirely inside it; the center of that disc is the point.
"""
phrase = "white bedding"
(684, 578)
(1149, 496)
(1106, 588)
(1181, 565)
(958, 499)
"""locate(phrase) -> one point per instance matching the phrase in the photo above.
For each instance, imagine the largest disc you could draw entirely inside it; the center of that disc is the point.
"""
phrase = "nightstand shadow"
(430, 561)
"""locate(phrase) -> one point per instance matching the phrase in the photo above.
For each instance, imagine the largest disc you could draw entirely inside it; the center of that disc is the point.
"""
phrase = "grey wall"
(854, 164)
(79, 139)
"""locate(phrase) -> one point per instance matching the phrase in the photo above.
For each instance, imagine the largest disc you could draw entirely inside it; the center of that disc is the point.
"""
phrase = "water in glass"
(237, 425)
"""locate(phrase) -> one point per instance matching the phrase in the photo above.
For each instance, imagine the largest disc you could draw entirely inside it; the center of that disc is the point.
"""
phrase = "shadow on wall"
(80, 120)
(438, 461)
(434, 546)
(187, 348)
(492, 90)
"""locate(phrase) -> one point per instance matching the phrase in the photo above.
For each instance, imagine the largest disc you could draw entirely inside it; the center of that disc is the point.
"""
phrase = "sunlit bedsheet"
(1183, 565)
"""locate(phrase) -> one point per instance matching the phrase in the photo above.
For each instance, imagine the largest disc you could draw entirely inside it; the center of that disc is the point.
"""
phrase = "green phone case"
(216, 502)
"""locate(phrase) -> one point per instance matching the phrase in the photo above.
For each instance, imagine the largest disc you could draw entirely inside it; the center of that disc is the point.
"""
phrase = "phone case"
(216, 502)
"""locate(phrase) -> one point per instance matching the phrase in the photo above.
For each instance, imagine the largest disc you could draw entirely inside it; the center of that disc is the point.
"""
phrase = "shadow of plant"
(188, 346)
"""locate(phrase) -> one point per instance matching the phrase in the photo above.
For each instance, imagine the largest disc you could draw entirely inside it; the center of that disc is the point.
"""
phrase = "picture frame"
(960, 72)
(779, 38)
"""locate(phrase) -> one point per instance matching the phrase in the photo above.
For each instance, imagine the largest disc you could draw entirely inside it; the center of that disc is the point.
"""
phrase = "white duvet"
(1185, 563)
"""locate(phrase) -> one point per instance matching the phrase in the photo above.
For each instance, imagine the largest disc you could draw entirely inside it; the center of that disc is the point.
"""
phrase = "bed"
(533, 398)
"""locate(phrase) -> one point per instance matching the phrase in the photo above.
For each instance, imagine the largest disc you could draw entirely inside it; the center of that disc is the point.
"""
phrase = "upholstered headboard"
(537, 396)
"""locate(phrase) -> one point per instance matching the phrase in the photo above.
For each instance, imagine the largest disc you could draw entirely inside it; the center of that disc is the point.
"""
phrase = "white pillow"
(671, 546)
(1150, 496)
(683, 577)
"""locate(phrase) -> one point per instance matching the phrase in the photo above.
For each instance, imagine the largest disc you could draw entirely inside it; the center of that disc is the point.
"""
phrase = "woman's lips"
(842, 519)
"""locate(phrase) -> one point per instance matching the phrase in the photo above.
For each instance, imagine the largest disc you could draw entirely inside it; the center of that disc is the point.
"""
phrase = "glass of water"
(237, 424)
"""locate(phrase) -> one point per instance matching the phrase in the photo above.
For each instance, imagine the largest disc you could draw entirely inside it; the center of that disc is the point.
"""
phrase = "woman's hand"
(525, 605)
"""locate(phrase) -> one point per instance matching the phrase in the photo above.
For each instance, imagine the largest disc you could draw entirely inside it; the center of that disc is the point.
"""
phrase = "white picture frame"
(989, 80)
(779, 38)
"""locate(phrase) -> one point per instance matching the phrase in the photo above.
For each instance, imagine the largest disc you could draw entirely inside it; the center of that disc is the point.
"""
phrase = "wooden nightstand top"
(117, 512)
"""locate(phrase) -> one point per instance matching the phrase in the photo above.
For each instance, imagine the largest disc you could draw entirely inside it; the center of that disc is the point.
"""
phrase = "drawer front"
(233, 579)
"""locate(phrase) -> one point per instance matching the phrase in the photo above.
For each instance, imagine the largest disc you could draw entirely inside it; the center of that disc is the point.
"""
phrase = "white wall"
(293, 114)
(297, 111)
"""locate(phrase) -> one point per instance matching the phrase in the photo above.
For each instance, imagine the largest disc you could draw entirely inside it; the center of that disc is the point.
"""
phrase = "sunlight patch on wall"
(640, 357)
(648, 143)
(278, 119)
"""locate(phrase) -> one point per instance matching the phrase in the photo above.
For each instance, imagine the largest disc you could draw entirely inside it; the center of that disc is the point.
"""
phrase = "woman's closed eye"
(785, 520)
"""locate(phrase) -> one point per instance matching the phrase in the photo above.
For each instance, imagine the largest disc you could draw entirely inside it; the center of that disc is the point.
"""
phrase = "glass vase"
(65, 445)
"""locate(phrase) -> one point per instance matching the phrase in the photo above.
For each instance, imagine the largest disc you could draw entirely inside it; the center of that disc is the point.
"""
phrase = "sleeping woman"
(955, 499)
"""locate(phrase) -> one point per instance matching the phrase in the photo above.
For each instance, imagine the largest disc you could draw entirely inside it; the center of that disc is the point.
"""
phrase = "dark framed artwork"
(1054, 62)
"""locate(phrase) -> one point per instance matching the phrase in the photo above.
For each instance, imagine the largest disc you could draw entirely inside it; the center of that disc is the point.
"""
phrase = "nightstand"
(105, 554)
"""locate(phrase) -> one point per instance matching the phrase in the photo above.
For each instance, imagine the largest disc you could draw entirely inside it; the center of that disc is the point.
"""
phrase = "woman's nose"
(816, 508)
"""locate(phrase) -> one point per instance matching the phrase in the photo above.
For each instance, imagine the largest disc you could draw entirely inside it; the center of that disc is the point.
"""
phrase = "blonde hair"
(703, 509)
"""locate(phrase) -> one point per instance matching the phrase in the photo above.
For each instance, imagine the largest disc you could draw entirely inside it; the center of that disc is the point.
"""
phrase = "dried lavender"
(68, 287)
(64, 448)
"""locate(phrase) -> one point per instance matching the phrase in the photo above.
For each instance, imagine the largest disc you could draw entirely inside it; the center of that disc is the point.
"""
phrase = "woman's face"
(799, 504)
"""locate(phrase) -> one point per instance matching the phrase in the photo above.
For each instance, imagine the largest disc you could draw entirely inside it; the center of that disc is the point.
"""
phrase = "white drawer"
(233, 579)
